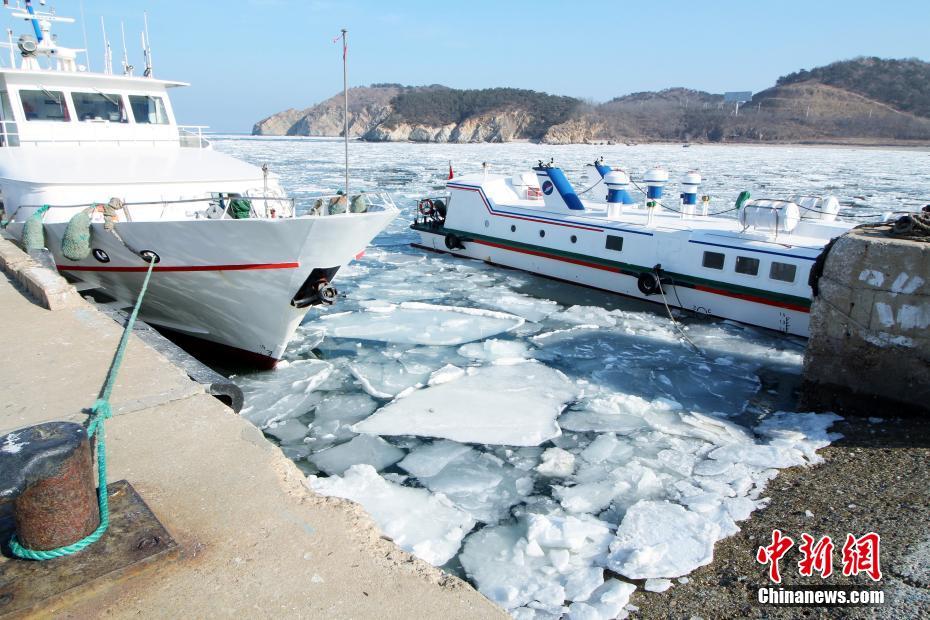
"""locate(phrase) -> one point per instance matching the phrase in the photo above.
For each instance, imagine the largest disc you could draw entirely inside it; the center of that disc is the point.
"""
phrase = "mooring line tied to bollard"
(100, 411)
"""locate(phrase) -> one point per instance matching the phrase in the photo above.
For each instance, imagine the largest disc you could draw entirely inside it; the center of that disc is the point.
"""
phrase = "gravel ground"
(874, 479)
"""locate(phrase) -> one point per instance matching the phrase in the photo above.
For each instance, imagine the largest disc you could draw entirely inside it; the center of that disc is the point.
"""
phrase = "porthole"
(542, 233)
(101, 256)
(487, 224)
(574, 239)
(513, 228)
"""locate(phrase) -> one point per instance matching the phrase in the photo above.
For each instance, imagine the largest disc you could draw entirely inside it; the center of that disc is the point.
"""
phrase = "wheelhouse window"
(714, 260)
(747, 266)
(99, 107)
(44, 105)
(785, 272)
(614, 243)
(147, 110)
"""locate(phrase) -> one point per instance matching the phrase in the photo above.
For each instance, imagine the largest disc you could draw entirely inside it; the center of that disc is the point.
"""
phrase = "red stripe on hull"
(181, 267)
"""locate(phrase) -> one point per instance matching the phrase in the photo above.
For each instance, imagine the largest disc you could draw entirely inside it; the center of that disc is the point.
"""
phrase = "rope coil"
(100, 412)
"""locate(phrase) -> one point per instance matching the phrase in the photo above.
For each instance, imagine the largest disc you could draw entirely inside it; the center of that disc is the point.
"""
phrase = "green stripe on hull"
(630, 269)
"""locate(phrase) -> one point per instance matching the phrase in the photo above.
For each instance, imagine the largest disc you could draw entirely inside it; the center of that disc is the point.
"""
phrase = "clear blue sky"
(247, 59)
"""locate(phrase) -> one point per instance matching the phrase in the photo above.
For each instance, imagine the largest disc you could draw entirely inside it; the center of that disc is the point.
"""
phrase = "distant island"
(858, 101)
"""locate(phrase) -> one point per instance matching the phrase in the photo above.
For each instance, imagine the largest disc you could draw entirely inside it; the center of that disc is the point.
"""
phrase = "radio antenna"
(147, 45)
(127, 68)
(84, 30)
(107, 50)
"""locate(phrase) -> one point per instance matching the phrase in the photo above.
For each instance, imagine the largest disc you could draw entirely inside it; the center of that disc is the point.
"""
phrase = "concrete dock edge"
(254, 539)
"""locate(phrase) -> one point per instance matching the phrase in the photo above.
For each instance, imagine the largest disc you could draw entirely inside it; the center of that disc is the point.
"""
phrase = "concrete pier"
(255, 542)
(869, 350)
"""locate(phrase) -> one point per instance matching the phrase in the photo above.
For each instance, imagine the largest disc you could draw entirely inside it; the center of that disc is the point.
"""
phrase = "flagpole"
(345, 97)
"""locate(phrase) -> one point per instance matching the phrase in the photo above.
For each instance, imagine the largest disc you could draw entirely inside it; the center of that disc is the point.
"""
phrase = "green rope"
(99, 413)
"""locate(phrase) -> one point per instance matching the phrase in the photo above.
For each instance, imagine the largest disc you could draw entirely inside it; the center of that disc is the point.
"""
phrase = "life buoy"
(649, 283)
(453, 242)
(425, 206)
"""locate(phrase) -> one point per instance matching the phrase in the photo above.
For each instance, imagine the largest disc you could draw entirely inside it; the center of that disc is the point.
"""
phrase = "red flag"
(451, 174)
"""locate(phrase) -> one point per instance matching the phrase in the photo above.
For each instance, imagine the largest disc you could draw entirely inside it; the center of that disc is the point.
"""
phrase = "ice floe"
(506, 405)
(418, 521)
(539, 562)
(419, 323)
(479, 483)
(363, 449)
(286, 392)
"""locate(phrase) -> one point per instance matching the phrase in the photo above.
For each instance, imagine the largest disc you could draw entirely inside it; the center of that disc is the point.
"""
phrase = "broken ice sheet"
(530, 308)
(495, 351)
(504, 405)
(479, 483)
(659, 539)
(363, 449)
(419, 323)
(283, 393)
(541, 561)
(418, 521)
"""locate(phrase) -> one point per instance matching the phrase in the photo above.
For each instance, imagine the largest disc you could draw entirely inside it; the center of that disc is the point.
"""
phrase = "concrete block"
(11, 257)
(869, 325)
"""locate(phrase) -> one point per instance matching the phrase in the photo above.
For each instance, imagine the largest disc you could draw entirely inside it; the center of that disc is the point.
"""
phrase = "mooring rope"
(100, 412)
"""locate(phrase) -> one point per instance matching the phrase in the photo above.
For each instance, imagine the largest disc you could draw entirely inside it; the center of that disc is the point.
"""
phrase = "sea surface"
(566, 430)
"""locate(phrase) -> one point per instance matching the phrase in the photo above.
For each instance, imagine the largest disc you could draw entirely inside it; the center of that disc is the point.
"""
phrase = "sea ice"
(419, 323)
(283, 393)
(479, 483)
(363, 449)
(495, 351)
(505, 405)
(657, 585)
(418, 521)
(659, 539)
(541, 561)
(530, 308)
(557, 463)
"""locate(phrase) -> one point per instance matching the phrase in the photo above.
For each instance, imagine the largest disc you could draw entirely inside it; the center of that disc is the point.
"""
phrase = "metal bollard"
(48, 472)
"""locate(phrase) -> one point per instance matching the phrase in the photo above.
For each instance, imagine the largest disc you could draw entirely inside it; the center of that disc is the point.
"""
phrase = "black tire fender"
(648, 283)
(453, 242)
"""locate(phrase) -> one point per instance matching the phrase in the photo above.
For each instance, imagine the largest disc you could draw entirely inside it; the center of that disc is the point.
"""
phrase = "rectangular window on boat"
(783, 271)
(99, 107)
(746, 265)
(44, 105)
(614, 243)
(714, 260)
(147, 110)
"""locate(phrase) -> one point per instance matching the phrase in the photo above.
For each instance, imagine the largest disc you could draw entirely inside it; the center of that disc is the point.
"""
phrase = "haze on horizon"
(252, 58)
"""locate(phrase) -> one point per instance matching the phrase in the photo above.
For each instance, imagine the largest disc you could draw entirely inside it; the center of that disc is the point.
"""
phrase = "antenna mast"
(345, 97)
(107, 50)
(84, 30)
(147, 45)
(127, 68)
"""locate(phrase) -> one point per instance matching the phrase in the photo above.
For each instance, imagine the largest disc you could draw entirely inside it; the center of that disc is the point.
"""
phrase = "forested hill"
(859, 101)
(901, 84)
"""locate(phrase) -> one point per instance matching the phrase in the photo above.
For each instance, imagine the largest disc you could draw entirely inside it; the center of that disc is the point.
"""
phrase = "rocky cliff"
(836, 103)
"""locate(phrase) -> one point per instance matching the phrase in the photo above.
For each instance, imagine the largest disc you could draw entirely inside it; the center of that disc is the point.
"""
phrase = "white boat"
(753, 268)
(238, 263)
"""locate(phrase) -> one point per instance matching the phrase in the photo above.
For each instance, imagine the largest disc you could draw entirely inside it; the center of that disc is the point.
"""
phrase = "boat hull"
(229, 282)
(704, 298)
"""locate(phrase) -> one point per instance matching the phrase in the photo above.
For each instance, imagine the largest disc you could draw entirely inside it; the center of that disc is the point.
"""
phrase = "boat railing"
(191, 136)
(431, 210)
(219, 206)
(336, 204)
